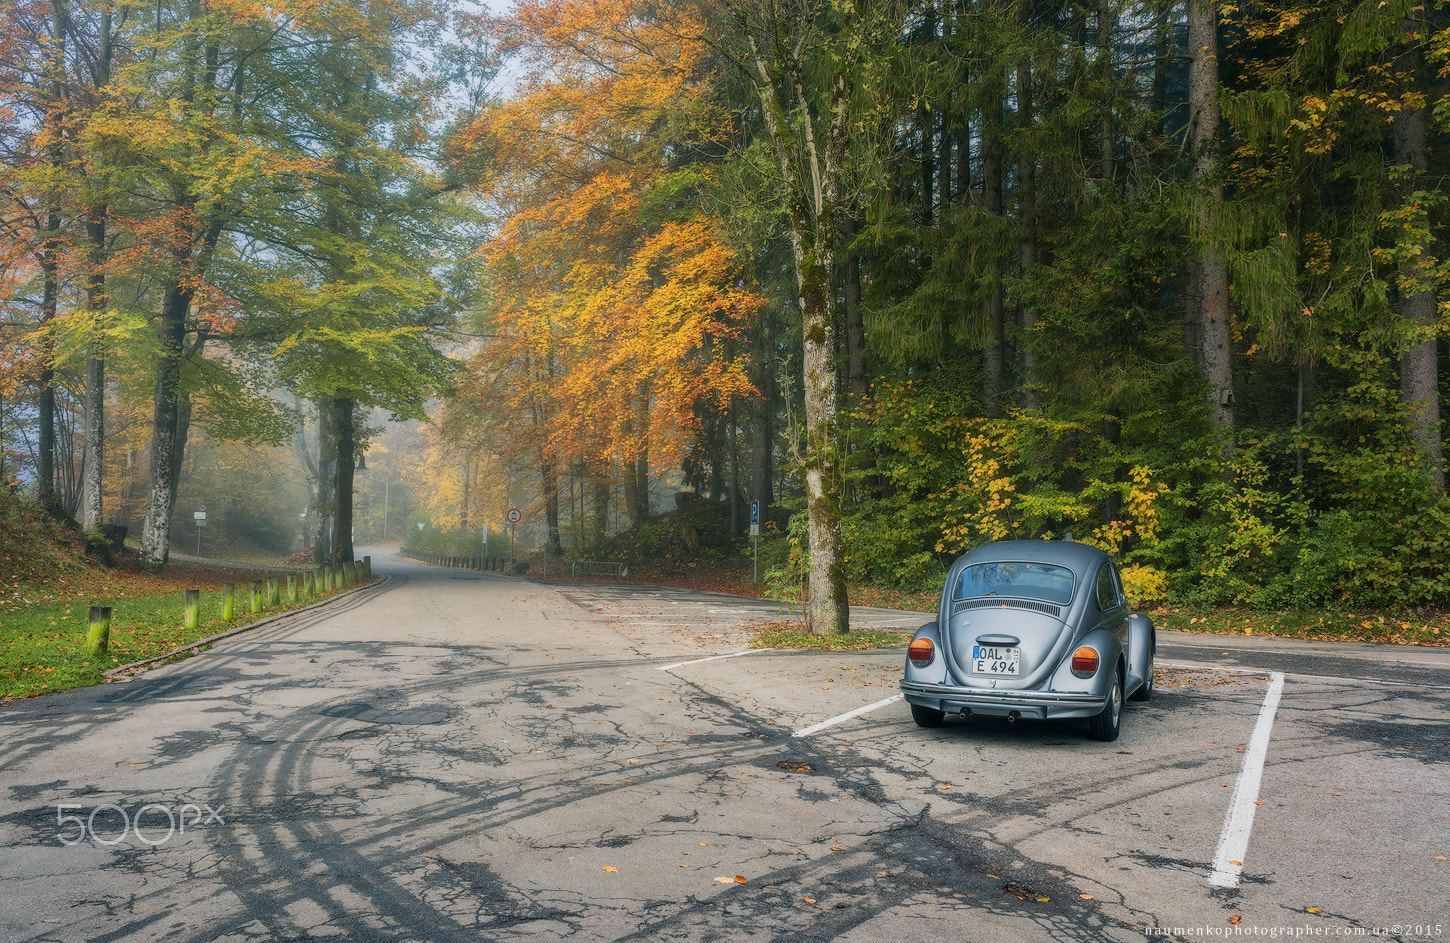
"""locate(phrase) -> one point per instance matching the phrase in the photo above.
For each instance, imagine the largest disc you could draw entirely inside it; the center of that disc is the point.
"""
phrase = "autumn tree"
(604, 284)
(807, 68)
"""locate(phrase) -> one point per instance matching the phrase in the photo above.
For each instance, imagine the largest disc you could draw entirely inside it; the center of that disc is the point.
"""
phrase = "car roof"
(1075, 556)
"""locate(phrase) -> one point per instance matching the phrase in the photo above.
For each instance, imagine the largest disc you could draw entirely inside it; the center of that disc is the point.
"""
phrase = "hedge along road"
(457, 756)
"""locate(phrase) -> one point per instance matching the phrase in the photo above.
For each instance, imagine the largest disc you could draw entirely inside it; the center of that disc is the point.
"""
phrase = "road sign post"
(200, 516)
(514, 516)
(755, 533)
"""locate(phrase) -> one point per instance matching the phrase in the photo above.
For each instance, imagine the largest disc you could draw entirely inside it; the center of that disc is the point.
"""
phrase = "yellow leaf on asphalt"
(1312, 910)
(739, 879)
(809, 900)
(1085, 897)
(611, 870)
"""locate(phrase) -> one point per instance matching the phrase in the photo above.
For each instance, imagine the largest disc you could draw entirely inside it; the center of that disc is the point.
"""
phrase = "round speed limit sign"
(515, 515)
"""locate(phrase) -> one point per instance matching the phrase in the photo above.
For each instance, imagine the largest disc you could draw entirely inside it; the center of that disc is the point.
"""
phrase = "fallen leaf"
(1236, 920)
(1237, 864)
(1084, 897)
(739, 879)
(724, 880)
(1439, 857)
(1043, 900)
(809, 900)
(611, 870)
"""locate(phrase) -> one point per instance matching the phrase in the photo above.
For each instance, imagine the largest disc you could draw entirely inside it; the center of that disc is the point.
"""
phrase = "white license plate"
(996, 660)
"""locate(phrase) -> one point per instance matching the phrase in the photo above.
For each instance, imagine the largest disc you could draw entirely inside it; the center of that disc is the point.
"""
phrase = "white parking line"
(814, 728)
(1234, 843)
(696, 661)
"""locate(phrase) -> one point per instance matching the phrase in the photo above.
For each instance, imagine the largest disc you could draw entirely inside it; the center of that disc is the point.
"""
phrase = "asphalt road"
(460, 756)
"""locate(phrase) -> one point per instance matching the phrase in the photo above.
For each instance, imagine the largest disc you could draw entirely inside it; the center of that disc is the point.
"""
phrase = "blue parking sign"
(755, 512)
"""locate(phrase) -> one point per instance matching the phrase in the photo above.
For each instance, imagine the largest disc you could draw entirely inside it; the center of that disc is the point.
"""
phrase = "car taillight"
(1085, 662)
(921, 652)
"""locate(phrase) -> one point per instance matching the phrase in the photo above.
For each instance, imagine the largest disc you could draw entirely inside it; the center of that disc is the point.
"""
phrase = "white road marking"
(696, 661)
(1234, 843)
(814, 728)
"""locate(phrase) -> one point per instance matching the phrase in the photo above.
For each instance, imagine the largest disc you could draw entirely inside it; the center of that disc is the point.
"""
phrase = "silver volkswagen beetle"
(1031, 628)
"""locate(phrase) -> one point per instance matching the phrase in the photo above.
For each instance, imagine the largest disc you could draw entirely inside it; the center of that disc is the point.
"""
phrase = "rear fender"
(1110, 654)
(1142, 643)
(936, 672)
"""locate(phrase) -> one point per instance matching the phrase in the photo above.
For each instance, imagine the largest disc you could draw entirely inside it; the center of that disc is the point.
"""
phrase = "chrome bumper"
(994, 702)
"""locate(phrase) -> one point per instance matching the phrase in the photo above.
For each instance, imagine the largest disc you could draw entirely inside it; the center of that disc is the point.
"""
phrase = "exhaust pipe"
(1012, 717)
(966, 712)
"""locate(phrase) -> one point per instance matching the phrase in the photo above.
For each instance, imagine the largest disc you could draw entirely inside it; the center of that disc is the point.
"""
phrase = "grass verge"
(789, 635)
(1319, 625)
(43, 629)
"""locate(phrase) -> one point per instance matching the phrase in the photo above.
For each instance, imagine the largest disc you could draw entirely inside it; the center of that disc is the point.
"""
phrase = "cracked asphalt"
(459, 756)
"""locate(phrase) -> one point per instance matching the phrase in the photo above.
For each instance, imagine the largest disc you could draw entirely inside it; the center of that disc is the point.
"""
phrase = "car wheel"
(927, 716)
(1145, 693)
(1106, 724)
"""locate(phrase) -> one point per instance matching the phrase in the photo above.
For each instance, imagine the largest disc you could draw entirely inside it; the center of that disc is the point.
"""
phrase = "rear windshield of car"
(1044, 581)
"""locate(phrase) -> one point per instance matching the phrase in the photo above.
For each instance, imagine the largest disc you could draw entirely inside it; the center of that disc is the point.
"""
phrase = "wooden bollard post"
(229, 601)
(98, 633)
(193, 608)
(256, 596)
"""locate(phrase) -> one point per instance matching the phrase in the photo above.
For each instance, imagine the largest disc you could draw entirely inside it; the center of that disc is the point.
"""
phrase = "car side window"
(1110, 594)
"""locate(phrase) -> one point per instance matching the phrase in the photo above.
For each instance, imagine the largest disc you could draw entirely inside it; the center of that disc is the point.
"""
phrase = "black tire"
(1109, 721)
(1145, 693)
(927, 716)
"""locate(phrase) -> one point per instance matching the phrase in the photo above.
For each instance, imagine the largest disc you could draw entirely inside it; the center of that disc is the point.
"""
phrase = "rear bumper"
(1042, 705)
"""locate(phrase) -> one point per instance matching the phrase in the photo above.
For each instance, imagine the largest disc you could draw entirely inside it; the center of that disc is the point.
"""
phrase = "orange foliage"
(612, 299)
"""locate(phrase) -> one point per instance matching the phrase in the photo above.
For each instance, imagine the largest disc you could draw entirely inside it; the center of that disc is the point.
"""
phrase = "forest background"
(913, 275)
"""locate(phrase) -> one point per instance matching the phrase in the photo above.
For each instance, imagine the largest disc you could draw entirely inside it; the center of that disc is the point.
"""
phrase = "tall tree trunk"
(1419, 374)
(94, 463)
(812, 217)
(549, 473)
(1214, 326)
(324, 477)
(342, 480)
(762, 426)
(734, 452)
(50, 249)
(160, 493)
(1027, 195)
(994, 356)
(601, 504)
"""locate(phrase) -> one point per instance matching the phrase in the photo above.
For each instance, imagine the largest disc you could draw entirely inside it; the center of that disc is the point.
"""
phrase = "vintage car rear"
(1032, 628)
